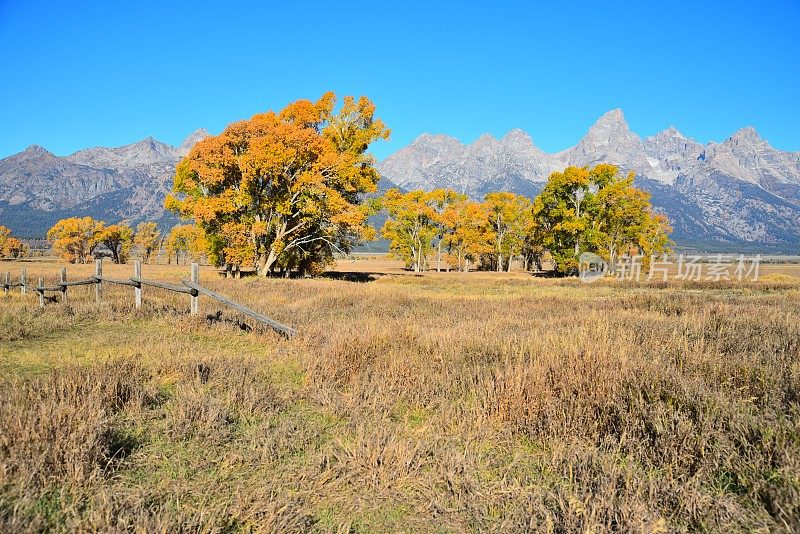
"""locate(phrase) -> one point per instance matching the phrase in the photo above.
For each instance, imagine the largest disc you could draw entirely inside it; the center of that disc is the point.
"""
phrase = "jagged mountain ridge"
(130, 182)
(739, 191)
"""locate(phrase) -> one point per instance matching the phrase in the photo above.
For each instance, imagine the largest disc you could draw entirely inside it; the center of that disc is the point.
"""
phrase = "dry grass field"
(436, 403)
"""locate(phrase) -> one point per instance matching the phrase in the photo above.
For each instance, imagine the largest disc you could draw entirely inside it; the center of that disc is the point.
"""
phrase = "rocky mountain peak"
(748, 135)
(606, 138)
(193, 138)
(670, 133)
(608, 141)
(34, 151)
(613, 119)
(668, 152)
(517, 137)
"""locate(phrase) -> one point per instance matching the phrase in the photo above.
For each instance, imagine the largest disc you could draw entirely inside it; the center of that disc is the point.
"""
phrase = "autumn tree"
(595, 210)
(188, 240)
(533, 250)
(283, 187)
(441, 200)
(466, 235)
(147, 239)
(563, 211)
(15, 248)
(5, 234)
(11, 247)
(411, 225)
(508, 217)
(117, 238)
(654, 238)
(75, 238)
(622, 216)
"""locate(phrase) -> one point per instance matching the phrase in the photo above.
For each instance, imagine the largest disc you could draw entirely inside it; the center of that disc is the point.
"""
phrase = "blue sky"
(81, 74)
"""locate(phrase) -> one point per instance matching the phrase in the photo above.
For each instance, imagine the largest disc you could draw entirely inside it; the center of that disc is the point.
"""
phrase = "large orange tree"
(283, 189)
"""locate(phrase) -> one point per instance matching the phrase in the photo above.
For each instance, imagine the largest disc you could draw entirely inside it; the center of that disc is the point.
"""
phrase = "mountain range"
(735, 195)
(37, 188)
(740, 193)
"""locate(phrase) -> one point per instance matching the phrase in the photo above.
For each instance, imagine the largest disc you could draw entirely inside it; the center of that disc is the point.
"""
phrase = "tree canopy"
(75, 238)
(596, 210)
(411, 225)
(188, 240)
(507, 216)
(117, 238)
(283, 188)
(147, 239)
(10, 246)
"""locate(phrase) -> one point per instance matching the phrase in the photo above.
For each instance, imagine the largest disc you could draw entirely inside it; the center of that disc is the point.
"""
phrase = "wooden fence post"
(41, 292)
(98, 287)
(23, 279)
(7, 287)
(63, 287)
(137, 289)
(195, 307)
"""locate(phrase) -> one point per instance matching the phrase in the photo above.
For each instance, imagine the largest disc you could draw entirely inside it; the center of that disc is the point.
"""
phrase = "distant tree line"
(580, 210)
(80, 239)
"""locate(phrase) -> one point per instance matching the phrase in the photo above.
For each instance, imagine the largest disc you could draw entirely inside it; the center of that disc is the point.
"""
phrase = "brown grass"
(444, 402)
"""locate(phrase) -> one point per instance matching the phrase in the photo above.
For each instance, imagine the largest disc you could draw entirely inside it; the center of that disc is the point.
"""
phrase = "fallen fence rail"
(288, 331)
(190, 287)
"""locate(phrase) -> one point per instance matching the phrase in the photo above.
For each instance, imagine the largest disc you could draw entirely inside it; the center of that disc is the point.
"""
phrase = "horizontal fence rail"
(190, 287)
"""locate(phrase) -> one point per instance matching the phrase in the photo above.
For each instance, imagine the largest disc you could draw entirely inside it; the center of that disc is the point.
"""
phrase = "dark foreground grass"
(450, 403)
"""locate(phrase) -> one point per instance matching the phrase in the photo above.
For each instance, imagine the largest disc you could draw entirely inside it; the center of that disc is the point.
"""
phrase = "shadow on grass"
(351, 276)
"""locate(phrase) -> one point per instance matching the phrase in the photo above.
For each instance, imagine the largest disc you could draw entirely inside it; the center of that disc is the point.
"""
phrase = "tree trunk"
(439, 257)
(499, 263)
(269, 262)
(612, 260)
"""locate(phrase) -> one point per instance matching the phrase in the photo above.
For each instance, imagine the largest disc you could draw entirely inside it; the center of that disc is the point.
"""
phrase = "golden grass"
(446, 402)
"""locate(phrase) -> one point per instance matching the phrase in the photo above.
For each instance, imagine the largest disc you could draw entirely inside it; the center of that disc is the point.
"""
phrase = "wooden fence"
(190, 287)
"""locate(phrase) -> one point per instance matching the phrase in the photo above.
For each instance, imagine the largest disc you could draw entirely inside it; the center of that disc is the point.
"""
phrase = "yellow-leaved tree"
(5, 234)
(597, 210)
(441, 200)
(509, 218)
(11, 247)
(147, 239)
(466, 236)
(283, 189)
(118, 238)
(75, 238)
(188, 240)
(411, 225)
